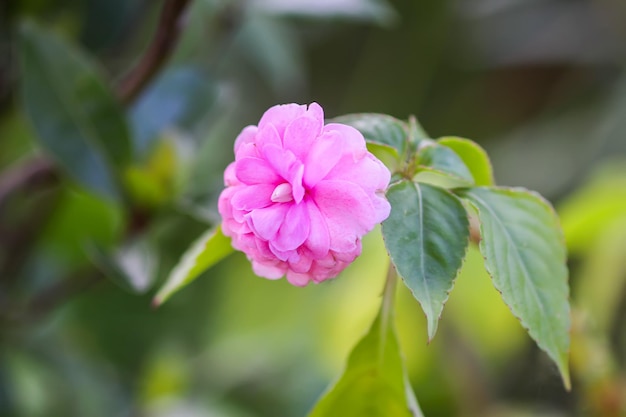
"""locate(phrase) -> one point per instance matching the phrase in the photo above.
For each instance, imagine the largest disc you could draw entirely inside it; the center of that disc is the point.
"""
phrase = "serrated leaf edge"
(565, 375)
(431, 334)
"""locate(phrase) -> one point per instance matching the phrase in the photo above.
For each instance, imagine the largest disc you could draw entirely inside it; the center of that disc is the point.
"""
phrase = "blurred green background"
(541, 84)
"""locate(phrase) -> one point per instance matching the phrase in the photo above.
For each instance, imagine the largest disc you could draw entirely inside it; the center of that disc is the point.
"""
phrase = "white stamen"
(282, 193)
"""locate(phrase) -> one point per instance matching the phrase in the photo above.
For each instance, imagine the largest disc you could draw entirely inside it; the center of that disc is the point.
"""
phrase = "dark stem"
(158, 51)
(19, 229)
(38, 170)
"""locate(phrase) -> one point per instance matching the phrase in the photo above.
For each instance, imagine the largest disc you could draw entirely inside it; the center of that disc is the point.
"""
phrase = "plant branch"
(34, 171)
(42, 170)
(158, 51)
(20, 227)
(41, 167)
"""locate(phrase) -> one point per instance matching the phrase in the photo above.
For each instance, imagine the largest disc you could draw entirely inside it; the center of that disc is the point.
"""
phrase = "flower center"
(282, 193)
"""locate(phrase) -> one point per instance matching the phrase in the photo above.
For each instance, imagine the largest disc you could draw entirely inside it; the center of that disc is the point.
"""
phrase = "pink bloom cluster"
(300, 195)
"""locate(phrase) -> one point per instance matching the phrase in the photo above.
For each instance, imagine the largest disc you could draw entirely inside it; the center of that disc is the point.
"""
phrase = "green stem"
(389, 293)
(386, 308)
(386, 317)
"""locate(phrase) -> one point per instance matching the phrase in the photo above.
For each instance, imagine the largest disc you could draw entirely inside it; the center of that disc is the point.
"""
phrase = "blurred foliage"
(541, 85)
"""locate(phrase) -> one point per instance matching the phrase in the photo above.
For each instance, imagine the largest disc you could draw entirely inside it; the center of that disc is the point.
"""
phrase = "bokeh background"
(540, 84)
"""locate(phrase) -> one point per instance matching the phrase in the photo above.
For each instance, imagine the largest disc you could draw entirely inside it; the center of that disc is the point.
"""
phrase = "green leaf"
(208, 250)
(373, 383)
(76, 116)
(438, 179)
(379, 129)
(385, 154)
(525, 255)
(474, 157)
(416, 132)
(426, 235)
(441, 159)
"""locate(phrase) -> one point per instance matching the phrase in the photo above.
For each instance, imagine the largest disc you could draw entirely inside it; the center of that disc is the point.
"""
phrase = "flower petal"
(315, 111)
(281, 255)
(265, 222)
(348, 212)
(255, 171)
(300, 134)
(322, 274)
(294, 230)
(247, 150)
(280, 160)
(371, 175)
(348, 257)
(267, 270)
(280, 116)
(285, 164)
(224, 205)
(381, 206)
(252, 197)
(301, 262)
(295, 178)
(324, 154)
(299, 280)
(268, 135)
(247, 135)
(368, 172)
(230, 178)
(263, 250)
(318, 240)
(354, 142)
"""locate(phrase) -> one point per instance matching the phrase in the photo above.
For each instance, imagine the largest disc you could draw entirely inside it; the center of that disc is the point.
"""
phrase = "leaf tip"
(565, 375)
(567, 382)
(433, 322)
(157, 301)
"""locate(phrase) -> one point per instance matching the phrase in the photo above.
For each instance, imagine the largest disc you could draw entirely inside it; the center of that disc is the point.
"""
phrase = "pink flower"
(300, 195)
